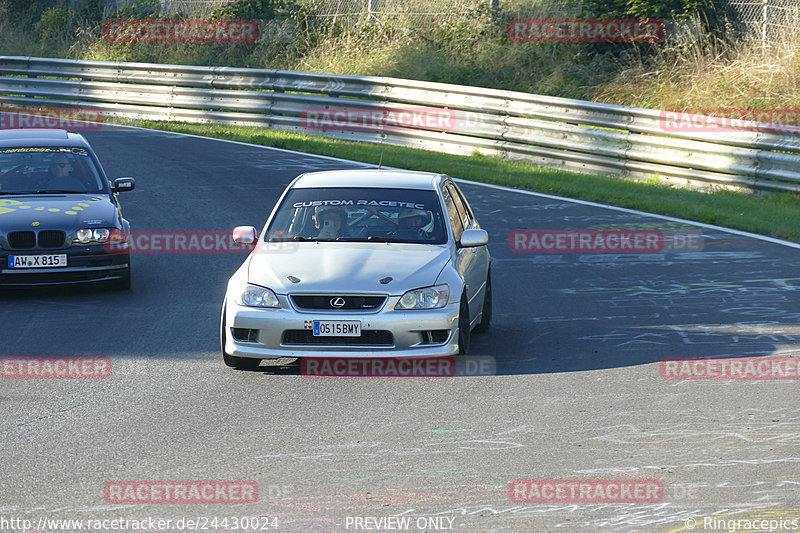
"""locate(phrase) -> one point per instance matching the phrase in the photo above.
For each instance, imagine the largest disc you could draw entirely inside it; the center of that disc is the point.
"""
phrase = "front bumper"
(85, 264)
(286, 332)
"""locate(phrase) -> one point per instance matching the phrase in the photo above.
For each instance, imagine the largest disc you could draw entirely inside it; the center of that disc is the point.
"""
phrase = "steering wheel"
(16, 170)
(43, 183)
(410, 233)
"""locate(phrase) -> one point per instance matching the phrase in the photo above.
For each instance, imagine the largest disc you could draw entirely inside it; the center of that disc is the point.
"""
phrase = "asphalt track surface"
(578, 393)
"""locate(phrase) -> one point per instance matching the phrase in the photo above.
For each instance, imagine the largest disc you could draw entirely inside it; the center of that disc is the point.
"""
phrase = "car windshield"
(47, 169)
(359, 214)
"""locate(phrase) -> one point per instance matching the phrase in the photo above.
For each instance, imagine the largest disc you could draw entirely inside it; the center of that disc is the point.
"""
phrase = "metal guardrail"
(557, 132)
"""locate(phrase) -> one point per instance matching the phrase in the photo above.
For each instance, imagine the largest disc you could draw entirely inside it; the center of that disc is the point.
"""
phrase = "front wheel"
(463, 327)
(241, 363)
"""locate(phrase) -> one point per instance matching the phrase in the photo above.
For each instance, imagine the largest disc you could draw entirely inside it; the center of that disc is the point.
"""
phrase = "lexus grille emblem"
(337, 302)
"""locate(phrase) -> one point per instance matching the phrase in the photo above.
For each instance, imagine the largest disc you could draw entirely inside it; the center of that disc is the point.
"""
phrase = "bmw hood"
(57, 211)
(337, 267)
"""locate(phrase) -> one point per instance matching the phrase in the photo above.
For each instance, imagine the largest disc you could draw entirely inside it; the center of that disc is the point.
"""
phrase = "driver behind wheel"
(411, 224)
(61, 177)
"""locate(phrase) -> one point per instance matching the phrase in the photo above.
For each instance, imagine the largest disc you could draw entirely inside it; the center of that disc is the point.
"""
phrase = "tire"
(464, 333)
(240, 363)
(486, 314)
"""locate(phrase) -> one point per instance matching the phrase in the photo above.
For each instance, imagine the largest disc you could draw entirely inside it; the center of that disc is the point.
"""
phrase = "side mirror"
(473, 237)
(123, 184)
(245, 235)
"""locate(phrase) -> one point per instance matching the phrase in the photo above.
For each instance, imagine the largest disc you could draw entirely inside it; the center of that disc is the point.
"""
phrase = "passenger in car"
(331, 221)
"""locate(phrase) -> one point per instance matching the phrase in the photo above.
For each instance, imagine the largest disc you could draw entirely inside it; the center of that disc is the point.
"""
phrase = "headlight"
(254, 296)
(84, 235)
(425, 298)
(99, 235)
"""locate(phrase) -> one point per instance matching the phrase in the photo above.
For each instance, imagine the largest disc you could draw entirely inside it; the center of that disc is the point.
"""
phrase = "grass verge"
(775, 215)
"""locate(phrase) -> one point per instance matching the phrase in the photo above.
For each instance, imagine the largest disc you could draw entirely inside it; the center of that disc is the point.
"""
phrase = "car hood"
(345, 267)
(56, 211)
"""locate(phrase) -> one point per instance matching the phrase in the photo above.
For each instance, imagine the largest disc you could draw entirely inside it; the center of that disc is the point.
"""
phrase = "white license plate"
(337, 328)
(37, 261)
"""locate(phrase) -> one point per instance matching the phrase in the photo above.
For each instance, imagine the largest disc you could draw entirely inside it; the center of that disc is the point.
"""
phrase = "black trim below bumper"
(82, 267)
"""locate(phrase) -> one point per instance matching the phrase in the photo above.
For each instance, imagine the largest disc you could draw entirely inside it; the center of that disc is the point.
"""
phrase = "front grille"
(51, 239)
(26, 240)
(351, 302)
(368, 337)
(22, 240)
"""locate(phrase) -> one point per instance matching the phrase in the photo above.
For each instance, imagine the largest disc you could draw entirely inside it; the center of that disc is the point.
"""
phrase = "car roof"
(369, 178)
(40, 137)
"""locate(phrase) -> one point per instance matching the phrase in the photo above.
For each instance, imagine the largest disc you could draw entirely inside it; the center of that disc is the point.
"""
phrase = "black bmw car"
(60, 221)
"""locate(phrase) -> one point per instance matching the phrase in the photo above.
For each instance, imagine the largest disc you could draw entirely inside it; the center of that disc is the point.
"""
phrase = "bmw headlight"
(101, 234)
(84, 235)
(425, 298)
(98, 235)
(254, 296)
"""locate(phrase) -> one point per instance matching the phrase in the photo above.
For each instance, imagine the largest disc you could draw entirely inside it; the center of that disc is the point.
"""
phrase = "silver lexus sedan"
(360, 262)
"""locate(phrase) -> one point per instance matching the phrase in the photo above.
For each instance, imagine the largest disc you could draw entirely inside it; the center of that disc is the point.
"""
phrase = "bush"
(55, 24)
(662, 9)
(143, 9)
(18, 8)
(256, 9)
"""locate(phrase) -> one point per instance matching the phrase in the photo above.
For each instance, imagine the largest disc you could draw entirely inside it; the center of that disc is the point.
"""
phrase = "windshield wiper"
(2, 193)
(57, 191)
(288, 239)
(375, 238)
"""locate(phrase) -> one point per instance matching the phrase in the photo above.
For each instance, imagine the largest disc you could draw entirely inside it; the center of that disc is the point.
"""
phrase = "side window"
(464, 201)
(466, 219)
(452, 213)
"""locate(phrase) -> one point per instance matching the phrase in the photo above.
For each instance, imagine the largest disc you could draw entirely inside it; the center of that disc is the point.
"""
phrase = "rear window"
(359, 214)
(43, 169)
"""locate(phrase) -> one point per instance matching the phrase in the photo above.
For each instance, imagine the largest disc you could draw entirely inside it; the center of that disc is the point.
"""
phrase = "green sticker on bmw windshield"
(44, 149)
